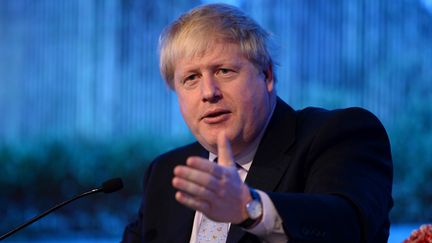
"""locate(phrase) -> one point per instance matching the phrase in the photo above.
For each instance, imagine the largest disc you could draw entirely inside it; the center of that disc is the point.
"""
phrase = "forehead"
(218, 53)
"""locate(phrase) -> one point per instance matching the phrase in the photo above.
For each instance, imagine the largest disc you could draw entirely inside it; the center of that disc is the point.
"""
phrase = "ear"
(269, 78)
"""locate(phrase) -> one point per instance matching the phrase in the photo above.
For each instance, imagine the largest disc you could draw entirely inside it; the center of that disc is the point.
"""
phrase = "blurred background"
(81, 99)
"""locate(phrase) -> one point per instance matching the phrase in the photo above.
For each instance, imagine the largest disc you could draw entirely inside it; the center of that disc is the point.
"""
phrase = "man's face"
(223, 91)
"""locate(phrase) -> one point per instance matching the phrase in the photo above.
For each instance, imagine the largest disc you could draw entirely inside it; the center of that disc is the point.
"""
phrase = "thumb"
(225, 156)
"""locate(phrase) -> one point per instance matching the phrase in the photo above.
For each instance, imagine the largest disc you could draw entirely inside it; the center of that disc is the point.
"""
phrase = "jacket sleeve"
(348, 183)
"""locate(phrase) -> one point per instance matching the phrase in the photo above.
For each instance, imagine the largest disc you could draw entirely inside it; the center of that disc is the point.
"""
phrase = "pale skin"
(225, 101)
(214, 189)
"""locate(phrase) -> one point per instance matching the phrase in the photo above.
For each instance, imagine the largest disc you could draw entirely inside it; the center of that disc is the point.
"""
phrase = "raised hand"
(214, 189)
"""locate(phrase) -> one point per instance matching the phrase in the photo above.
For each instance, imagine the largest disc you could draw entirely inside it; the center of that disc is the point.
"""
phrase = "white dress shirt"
(270, 228)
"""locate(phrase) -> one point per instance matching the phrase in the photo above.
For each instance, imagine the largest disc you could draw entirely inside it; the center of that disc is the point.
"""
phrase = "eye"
(190, 81)
(190, 78)
(226, 72)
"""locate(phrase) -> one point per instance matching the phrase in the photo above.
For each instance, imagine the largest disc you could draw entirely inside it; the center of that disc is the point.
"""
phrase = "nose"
(210, 91)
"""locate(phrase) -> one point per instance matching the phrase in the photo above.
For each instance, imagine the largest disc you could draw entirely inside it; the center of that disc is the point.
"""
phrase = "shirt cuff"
(271, 222)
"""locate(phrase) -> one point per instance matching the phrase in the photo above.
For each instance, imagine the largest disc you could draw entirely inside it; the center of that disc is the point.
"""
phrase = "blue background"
(81, 98)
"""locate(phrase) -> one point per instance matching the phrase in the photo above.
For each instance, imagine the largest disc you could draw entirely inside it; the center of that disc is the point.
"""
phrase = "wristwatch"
(254, 210)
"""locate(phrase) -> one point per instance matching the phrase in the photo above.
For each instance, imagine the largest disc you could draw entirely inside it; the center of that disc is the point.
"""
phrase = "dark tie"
(237, 165)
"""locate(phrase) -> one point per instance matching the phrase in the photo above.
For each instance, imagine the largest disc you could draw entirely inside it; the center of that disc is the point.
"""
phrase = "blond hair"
(197, 30)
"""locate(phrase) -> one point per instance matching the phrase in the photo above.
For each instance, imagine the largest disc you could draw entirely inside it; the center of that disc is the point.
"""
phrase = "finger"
(192, 202)
(201, 178)
(225, 156)
(205, 165)
(193, 189)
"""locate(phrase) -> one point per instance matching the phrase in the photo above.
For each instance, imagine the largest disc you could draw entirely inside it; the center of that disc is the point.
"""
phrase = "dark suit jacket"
(328, 173)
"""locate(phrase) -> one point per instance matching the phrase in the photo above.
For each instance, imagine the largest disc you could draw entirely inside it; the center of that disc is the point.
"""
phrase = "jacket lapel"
(270, 161)
(181, 217)
(183, 220)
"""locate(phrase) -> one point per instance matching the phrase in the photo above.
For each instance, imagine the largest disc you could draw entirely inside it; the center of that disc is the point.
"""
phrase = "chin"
(209, 144)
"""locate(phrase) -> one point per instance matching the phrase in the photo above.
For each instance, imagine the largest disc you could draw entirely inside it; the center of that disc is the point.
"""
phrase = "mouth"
(216, 116)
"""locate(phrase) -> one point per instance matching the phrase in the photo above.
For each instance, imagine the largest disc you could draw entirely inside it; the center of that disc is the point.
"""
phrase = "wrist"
(252, 211)
(246, 199)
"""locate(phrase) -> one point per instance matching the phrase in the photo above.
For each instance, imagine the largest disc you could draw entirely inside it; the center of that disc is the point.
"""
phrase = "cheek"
(251, 99)
(254, 104)
(187, 109)
(183, 104)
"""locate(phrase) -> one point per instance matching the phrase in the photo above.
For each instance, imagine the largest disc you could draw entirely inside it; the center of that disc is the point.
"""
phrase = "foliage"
(421, 235)
(36, 176)
(412, 140)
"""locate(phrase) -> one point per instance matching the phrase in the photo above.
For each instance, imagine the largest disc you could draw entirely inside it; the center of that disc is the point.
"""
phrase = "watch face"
(254, 209)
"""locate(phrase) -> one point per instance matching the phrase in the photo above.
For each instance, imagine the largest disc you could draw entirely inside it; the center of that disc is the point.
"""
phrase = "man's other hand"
(214, 189)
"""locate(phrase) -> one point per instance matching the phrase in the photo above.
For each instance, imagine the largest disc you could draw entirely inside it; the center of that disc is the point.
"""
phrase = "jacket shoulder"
(178, 155)
(353, 117)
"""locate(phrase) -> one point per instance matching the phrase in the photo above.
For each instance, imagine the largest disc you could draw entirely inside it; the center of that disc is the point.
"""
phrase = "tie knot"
(236, 164)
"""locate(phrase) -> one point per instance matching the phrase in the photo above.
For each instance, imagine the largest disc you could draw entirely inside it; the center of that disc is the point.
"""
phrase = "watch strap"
(249, 222)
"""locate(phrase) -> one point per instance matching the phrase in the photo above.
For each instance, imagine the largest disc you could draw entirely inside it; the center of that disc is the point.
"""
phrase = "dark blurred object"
(108, 186)
(33, 176)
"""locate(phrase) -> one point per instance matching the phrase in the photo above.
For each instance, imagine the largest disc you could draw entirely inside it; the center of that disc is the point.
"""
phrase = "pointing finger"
(225, 156)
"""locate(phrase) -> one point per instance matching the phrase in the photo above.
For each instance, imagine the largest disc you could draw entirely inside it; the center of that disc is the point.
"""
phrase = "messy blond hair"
(197, 30)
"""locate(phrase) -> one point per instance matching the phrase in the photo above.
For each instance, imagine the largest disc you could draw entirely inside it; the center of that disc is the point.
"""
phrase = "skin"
(225, 101)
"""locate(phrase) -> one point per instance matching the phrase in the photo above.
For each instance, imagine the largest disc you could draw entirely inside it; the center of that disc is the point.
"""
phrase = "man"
(281, 175)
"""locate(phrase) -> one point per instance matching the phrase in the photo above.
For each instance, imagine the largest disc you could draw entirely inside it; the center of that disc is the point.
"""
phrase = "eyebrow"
(215, 64)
